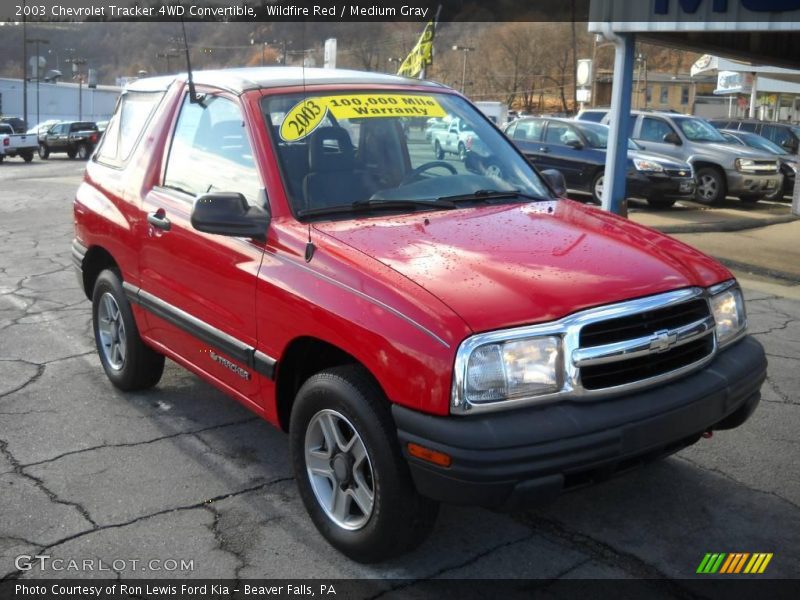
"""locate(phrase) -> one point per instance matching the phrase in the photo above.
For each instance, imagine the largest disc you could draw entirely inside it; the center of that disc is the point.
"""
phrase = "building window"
(664, 98)
(685, 95)
(648, 94)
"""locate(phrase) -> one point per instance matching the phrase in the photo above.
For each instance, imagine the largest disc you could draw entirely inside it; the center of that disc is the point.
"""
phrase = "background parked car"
(720, 168)
(42, 127)
(457, 138)
(76, 138)
(592, 114)
(786, 135)
(789, 164)
(578, 150)
(433, 126)
(17, 124)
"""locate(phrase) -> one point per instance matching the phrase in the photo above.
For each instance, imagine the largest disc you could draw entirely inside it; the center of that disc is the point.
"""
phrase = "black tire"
(83, 152)
(400, 518)
(2, 158)
(27, 156)
(597, 179)
(660, 202)
(462, 152)
(71, 153)
(437, 150)
(750, 199)
(141, 367)
(711, 186)
(44, 151)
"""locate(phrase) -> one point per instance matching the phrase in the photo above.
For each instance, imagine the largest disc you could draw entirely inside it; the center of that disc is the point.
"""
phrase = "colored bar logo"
(734, 563)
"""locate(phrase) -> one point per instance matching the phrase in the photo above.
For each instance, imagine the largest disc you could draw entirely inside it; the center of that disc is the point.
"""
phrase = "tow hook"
(708, 434)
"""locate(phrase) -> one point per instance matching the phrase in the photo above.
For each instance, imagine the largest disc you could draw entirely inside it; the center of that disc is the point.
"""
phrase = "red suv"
(426, 330)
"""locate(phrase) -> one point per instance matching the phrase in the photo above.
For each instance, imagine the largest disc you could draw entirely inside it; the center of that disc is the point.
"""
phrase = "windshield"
(596, 135)
(698, 130)
(371, 147)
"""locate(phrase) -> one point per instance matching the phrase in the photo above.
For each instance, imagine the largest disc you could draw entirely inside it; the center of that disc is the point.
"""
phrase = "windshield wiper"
(492, 195)
(370, 205)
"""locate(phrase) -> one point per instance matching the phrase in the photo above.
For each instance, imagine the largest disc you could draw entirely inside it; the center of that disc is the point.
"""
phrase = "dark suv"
(75, 138)
(786, 135)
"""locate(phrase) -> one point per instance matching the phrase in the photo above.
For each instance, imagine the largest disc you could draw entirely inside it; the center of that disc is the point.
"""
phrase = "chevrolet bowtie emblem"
(661, 341)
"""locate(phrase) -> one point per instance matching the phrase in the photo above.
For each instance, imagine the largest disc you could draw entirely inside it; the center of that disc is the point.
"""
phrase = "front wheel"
(127, 361)
(437, 150)
(462, 152)
(598, 183)
(352, 478)
(711, 187)
(44, 151)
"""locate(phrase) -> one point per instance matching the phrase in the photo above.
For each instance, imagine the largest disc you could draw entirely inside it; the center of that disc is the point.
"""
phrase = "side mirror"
(577, 144)
(672, 138)
(790, 146)
(228, 213)
(472, 163)
(556, 181)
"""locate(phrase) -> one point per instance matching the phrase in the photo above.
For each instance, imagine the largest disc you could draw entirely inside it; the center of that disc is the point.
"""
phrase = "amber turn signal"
(432, 456)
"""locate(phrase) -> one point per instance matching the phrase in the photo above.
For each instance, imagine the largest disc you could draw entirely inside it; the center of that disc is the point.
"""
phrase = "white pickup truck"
(17, 144)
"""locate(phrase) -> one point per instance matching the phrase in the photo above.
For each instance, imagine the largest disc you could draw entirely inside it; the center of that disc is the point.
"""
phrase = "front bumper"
(753, 184)
(659, 185)
(516, 458)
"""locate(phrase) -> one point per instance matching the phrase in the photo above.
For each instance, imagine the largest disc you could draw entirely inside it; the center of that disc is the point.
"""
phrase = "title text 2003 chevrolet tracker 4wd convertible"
(426, 330)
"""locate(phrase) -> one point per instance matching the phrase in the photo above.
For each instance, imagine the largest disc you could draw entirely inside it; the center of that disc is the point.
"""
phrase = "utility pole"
(77, 63)
(465, 50)
(37, 41)
(24, 66)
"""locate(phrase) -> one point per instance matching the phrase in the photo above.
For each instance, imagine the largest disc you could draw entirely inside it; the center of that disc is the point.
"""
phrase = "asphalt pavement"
(184, 473)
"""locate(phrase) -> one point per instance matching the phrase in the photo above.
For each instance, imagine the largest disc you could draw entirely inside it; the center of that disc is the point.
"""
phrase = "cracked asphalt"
(183, 472)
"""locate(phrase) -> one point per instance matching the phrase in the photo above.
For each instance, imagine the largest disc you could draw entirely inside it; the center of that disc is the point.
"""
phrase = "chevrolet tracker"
(427, 330)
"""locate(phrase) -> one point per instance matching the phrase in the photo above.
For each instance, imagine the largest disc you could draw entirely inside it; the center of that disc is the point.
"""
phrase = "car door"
(555, 152)
(527, 136)
(652, 131)
(56, 137)
(200, 288)
(451, 137)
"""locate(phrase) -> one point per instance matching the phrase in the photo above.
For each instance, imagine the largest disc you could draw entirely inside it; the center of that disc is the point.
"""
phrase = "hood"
(734, 150)
(516, 264)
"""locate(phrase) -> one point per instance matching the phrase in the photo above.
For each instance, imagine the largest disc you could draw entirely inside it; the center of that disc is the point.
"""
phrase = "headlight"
(516, 369)
(729, 314)
(647, 165)
(744, 165)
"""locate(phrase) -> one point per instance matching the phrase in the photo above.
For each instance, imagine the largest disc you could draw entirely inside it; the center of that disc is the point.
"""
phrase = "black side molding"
(234, 348)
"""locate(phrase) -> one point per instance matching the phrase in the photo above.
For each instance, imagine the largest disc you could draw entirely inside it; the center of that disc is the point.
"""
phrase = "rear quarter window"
(133, 113)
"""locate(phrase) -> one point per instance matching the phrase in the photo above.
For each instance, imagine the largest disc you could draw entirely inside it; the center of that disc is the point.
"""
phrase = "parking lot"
(184, 473)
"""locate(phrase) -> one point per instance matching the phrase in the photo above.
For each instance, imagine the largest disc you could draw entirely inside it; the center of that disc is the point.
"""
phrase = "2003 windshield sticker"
(308, 114)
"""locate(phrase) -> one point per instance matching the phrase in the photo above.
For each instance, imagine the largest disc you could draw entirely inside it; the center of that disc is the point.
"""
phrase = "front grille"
(651, 359)
(637, 369)
(643, 324)
(679, 173)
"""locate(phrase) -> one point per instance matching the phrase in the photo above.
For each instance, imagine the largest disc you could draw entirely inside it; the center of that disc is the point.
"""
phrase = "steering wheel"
(427, 167)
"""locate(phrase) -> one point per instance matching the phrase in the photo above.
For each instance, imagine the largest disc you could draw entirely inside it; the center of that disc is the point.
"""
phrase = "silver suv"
(721, 169)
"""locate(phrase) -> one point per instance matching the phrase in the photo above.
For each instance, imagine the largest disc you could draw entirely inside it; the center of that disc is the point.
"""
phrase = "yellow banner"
(421, 55)
(308, 114)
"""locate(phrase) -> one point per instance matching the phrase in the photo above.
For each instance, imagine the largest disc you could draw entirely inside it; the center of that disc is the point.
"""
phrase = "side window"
(511, 129)
(559, 133)
(751, 127)
(210, 151)
(654, 130)
(125, 128)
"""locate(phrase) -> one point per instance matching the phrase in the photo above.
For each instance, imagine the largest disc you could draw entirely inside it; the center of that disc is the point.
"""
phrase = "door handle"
(159, 219)
(544, 150)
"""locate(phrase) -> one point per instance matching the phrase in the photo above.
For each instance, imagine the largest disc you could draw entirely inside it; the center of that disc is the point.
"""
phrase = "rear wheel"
(352, 478)
(27, 156)
(83, 151)
(44, 151)
(127, 361)
(711, 186)
(71, 153)
(462, 152)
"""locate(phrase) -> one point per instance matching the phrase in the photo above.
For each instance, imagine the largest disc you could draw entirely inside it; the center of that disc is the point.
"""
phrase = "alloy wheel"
(112, 332)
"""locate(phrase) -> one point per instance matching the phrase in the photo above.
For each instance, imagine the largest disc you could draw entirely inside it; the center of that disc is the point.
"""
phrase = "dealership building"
(60, 101)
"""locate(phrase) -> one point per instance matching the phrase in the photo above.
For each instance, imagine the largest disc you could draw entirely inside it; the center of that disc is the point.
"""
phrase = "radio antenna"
(193, 97)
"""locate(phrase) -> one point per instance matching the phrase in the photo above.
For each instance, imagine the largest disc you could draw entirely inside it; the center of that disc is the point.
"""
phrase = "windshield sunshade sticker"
(308, 114)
